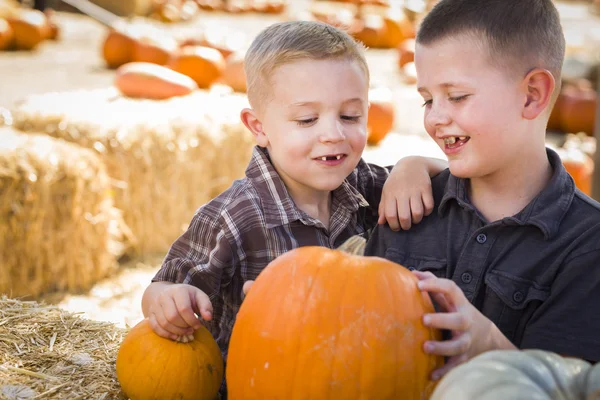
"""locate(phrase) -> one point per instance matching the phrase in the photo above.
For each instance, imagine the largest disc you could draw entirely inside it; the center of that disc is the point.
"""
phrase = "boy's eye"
(304, 122)
(458, 98)
(427, 103)
(351, 118)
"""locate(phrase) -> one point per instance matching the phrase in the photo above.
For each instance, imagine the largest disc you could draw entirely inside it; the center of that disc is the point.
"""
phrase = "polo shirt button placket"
(518, 297)
(481, 238)
(466, 278)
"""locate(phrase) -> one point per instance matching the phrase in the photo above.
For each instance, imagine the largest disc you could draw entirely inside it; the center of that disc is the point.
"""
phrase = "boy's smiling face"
(473, 110)
(314, 123)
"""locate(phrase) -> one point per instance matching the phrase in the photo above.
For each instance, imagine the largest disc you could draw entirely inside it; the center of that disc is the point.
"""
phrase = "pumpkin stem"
(354, 246)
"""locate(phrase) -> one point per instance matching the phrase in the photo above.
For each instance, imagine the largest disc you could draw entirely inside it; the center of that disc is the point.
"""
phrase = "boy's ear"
(252, 122)
(539, 85)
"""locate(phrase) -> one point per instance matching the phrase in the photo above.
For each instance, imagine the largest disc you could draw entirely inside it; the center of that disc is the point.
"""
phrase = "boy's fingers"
(424, 274)
(457, 346)
(428, 202)
(451, 321)
(416, 209)
(204, 305)
(163, 328)
(159, 329)
(390, 213)
(403, 214)
(246, 287)
(186, 311)
(170, 313)
(446, 287)
(452, 363)
(381, 219)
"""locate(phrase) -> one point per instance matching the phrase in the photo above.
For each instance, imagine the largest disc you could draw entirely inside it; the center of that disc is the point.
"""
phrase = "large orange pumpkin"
(150, 367)
(325, 324)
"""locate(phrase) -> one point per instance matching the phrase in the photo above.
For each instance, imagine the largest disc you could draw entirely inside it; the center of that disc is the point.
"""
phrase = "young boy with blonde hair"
(306, 183)
(511, 252)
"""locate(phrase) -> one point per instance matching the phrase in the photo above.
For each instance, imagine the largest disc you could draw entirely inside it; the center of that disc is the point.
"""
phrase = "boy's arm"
(567, 322)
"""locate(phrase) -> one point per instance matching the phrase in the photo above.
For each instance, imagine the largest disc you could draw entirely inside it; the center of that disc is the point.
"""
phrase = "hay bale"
(58, 226)
(51, 353)
(169, 157)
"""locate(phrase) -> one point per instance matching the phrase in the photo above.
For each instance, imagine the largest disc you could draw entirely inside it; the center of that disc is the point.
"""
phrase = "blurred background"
(103, 162)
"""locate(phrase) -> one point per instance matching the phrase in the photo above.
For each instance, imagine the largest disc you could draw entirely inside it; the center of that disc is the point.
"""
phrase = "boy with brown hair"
(305, 185)
(511, 252)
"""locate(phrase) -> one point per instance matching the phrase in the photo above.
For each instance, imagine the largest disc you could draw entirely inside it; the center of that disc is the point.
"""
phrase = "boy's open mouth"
(331, 157)
(455, 141)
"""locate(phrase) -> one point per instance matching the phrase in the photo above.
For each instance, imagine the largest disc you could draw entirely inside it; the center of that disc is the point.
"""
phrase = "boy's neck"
(315, 204)
(506, 193)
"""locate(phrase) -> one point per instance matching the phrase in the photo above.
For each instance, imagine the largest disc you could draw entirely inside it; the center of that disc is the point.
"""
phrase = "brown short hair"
(286, 42)
(522, 34)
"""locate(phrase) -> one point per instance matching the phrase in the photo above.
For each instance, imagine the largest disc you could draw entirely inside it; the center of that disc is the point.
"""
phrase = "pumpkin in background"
(234, 74)
(7, 35)
(381, 114)
(398, 28)
(578, 107)
(406, 52)
(152, 81)
(324, 324)
(154, 48)
(204, 65)
(30, 28)
(577, 162)
(554, 121)
(117, 48)
(150, 367)
(520, 375)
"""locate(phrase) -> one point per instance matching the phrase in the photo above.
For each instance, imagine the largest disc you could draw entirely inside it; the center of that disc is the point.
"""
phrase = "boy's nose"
(333, 132)
(437, 116)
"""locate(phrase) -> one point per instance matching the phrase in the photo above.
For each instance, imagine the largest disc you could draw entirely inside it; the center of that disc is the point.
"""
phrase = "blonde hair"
(287, 42)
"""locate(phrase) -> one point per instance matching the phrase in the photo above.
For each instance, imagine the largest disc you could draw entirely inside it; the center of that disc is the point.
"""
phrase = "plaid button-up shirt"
(232, 238)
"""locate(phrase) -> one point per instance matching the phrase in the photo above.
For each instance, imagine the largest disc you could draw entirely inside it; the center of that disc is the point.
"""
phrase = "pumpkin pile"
(321, 323)
(150, 367)
(206, 58)
(244, 6)
(25, 29)
(375, 26)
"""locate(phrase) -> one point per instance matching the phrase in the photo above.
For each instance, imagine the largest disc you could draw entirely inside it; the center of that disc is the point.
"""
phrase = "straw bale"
(58, 226)
(47, 352)
(169, 157)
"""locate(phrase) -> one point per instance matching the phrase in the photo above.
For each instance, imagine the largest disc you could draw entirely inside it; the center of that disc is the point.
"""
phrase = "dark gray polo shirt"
(536, 275)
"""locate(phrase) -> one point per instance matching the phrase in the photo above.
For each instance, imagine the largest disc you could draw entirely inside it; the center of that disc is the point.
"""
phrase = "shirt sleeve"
(567, 322)
(370, 179)
(201, 257)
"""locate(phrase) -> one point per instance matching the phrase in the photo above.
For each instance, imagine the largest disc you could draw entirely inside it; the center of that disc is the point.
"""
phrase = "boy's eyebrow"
(445, 85)
(312, 103)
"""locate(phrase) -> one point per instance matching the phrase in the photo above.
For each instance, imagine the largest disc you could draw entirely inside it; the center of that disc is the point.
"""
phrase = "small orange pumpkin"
(321, 323)
(234, 74)
(150, 367)
(7, 35)
(154, 49)
(578, 108)
(117, 48)
(381, 114)
(204, 65)
(406, 52)
(152, 81)
(30, 28)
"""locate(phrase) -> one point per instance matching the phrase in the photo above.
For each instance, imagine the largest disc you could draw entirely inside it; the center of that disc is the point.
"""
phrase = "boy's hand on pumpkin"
(407, 194)
(472, 332)
(173, 314)
(246, 288)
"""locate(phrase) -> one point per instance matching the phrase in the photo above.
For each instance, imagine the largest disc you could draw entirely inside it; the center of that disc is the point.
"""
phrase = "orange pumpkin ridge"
(320, 323)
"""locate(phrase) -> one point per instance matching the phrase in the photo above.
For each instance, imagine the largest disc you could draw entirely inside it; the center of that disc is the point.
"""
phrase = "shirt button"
(466, 277)
(518, 297)
(481, 238)
(411, 268)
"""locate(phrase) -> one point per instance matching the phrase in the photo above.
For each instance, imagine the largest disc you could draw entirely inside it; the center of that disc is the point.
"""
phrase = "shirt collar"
(278, 206)
(546, 211)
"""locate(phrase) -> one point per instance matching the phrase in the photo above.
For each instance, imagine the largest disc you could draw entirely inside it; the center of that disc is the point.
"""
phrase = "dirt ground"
(74, 62)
